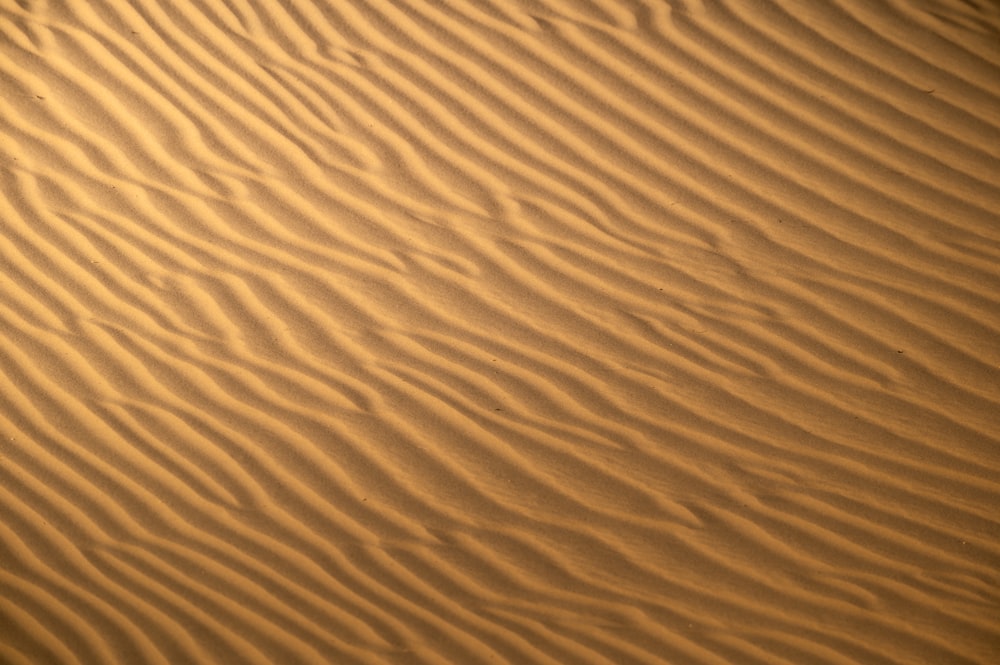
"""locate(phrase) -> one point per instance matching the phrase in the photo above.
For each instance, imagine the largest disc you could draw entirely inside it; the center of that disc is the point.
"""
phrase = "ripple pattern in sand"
(529, 331)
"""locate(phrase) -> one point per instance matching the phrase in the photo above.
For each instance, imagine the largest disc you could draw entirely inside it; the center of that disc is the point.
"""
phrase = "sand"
(500, 331)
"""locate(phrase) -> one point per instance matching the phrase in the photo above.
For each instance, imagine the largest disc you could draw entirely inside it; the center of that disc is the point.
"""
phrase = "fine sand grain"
(499, 331)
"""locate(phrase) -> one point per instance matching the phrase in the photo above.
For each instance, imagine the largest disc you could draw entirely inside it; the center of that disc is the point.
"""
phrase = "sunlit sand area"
(526, 332)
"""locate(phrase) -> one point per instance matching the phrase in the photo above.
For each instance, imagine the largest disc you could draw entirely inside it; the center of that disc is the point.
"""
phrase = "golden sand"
(499, 331)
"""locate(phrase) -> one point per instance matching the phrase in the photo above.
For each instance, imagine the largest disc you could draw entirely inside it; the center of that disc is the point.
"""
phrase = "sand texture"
(537, 332)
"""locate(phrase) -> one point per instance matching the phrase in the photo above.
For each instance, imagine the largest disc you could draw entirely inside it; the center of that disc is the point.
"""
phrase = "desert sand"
(499, 331)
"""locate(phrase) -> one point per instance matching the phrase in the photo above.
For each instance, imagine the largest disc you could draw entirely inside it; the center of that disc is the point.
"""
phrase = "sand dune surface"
(500, 331)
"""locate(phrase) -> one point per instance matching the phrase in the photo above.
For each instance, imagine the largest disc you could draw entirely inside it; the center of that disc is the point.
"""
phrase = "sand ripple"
(515, 331)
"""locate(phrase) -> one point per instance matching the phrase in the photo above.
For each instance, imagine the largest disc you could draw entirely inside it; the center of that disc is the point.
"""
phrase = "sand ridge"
(528, 331)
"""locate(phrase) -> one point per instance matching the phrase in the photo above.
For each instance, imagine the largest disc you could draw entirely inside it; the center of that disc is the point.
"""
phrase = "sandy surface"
(499, 331)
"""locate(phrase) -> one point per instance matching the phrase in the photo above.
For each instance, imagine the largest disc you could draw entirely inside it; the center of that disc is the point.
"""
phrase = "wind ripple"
(616, 331)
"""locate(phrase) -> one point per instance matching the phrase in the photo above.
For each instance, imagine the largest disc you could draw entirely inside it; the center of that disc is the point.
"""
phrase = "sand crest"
(505, 331)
